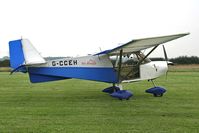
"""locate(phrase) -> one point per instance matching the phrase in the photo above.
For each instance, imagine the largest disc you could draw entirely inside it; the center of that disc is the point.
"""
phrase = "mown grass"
(80, 106)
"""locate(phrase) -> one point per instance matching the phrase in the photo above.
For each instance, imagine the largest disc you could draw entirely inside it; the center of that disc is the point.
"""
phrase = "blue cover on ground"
(122, 94)
(156, 90)
(111, 89)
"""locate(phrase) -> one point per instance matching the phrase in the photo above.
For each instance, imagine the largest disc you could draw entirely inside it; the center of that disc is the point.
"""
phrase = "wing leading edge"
(141, 44)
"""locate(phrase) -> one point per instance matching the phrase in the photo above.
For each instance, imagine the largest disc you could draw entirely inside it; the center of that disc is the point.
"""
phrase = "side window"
(141, 56)
(129, 59)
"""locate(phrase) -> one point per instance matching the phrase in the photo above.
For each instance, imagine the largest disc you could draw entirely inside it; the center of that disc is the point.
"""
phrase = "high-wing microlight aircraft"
(125, 63)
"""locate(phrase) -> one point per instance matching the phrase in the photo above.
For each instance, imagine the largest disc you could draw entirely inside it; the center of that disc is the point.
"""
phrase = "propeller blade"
(165, 53)
(166, 59)
(166, 75)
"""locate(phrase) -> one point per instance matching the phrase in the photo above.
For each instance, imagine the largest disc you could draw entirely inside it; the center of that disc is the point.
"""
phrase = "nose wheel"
(158, 95)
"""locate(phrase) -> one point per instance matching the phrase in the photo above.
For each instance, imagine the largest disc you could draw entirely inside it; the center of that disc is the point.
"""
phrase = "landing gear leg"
(116, 87)
(153, 83)
(111, 89)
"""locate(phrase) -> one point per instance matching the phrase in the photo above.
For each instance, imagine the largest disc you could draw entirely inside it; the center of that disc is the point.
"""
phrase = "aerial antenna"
(166, 58)
(165, 54)
(119, 44)
(100, 49)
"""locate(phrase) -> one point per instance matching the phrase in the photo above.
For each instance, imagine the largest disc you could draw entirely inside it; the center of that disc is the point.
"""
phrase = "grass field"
(80, 106)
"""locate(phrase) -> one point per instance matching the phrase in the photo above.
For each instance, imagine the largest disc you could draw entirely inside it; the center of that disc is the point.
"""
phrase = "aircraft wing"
(141, 44)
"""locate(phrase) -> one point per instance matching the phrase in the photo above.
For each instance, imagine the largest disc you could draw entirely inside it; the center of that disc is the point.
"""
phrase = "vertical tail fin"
(23, 53)
(31, 55)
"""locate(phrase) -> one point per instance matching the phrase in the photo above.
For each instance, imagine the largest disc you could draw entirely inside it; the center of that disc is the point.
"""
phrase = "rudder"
(16, 55)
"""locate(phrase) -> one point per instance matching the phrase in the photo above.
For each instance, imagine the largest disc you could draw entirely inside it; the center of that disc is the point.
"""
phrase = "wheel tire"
(155, 95)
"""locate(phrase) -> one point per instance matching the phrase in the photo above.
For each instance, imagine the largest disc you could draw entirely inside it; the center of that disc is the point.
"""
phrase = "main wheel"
(158, 95)
(155, 95)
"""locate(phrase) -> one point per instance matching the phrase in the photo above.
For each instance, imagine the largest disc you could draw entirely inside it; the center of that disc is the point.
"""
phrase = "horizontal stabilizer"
(21, 68)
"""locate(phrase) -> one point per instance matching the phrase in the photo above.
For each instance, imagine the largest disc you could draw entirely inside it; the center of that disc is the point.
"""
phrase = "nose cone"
(153, 70)
(161, 67)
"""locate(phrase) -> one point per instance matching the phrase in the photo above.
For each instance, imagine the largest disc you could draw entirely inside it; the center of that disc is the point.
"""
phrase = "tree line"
(5, 63)
(177, 60)
(185, 60)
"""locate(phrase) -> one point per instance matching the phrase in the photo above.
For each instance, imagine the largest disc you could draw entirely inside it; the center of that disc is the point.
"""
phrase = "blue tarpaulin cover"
(122, 94)
(156, 90)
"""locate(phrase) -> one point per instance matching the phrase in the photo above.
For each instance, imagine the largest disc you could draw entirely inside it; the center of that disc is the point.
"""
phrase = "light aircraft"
(123, 64)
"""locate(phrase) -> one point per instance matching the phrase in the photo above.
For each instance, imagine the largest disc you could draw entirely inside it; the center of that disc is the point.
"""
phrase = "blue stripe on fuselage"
(37, 78)
(88, 73)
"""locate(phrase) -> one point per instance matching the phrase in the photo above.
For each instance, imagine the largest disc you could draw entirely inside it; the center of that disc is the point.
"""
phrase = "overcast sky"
(81, 27)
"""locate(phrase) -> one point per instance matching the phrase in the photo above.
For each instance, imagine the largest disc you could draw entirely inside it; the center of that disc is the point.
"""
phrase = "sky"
(82, 27)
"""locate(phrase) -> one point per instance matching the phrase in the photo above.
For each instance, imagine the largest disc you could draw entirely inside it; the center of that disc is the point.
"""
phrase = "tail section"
(22, 54)
(17, 59)
(24, 57)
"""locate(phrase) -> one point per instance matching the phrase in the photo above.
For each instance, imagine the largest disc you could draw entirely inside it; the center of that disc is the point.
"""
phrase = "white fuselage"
(147, 71)
(151, 70)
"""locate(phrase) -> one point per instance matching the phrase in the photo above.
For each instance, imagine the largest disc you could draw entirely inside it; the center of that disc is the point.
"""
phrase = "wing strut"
(147, 55)
(120, 64)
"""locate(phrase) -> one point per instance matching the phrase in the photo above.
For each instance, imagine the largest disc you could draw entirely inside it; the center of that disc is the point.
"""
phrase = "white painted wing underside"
(141, 44)
(31, 55)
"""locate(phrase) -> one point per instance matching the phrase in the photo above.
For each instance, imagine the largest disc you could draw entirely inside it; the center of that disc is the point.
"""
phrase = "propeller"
(165, 54)
(166, 58)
